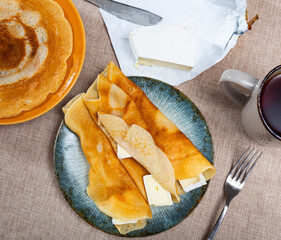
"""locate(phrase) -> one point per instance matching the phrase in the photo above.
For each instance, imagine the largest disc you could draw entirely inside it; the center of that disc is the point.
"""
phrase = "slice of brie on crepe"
(126, 228)
(122, 153)
(157, 195)
(110, 185)
(193, 183)
(186, 159)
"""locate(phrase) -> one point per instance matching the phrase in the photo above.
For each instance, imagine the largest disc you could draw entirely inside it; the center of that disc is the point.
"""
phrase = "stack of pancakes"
(35, 43)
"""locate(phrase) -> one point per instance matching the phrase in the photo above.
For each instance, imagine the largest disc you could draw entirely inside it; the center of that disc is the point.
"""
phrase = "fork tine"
(254, 164)
(242, 165)
(236, 165)
(247, 166)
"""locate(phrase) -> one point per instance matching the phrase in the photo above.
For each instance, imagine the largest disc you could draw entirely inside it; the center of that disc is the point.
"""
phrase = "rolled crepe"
(104, 96)
(110, 186)
(186, 159)
(140, 145)
(118, 104)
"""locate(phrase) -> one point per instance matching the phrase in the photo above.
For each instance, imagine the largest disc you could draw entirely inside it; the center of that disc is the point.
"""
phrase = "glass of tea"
(261, 102)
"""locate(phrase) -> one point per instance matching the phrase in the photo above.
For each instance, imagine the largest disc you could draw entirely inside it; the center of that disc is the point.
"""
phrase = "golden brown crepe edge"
(67, 106)
(208, 170)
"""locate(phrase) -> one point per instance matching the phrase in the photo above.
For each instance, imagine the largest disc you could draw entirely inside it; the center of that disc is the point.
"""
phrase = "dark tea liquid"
(271, 103)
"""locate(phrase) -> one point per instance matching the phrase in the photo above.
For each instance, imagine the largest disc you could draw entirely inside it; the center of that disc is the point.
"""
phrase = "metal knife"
(126, 12)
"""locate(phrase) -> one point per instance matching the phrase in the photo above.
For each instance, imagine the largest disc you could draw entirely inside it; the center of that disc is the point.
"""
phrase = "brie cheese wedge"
(193, 183)
(122, 153)
(156, 194)
(171, 46)
(118, 222)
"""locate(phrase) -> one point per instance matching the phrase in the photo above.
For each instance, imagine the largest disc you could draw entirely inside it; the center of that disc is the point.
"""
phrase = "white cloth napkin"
(218, 22)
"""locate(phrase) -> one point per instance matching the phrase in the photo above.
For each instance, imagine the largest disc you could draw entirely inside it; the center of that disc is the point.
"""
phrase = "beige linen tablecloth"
(32, 206)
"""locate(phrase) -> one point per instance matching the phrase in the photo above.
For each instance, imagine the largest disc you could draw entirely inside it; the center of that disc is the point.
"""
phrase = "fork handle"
(218, 223)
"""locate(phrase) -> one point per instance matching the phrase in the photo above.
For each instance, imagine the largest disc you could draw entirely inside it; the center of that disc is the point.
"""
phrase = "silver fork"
(235, 182)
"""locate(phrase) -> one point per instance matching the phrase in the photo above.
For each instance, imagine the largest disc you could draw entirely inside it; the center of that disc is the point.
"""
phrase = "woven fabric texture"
(32, 206)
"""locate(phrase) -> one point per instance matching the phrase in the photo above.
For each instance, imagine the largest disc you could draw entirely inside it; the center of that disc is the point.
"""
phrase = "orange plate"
(74, 66)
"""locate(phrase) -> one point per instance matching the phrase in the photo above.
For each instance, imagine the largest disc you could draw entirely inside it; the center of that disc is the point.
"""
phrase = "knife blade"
(128, 13)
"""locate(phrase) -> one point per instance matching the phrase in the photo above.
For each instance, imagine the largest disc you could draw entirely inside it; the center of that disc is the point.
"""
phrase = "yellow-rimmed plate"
(74, 66)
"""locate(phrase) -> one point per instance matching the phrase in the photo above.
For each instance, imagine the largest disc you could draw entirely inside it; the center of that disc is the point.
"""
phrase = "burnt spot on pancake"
(13, 47)
(31, 67)
(12, 50)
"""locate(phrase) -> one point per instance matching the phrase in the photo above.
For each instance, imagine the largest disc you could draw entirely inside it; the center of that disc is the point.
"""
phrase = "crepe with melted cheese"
(36, 41)
(105, 97)
(186, 159)
(110, 186)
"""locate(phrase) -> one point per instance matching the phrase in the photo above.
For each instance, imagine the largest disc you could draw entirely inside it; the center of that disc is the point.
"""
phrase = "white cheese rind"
(156, 194)
(193, 183)
(165, 45)
(122, 153)
(118, 222)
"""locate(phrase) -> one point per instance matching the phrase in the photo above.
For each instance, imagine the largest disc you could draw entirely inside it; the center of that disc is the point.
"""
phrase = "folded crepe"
(110, 186)
(186, 159)
(124, 125)
(140, 145)
(118, 104)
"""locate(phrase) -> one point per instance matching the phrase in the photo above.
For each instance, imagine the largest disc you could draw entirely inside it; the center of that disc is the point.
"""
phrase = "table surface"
(32, 206)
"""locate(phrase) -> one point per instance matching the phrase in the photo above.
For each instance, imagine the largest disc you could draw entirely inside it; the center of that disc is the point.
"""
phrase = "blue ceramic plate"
(72, 168)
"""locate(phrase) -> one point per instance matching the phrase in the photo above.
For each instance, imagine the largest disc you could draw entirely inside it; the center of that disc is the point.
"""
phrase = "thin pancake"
(36, 40)
(110, 186)
(186, 159)
(104, 96)
(136, 171)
